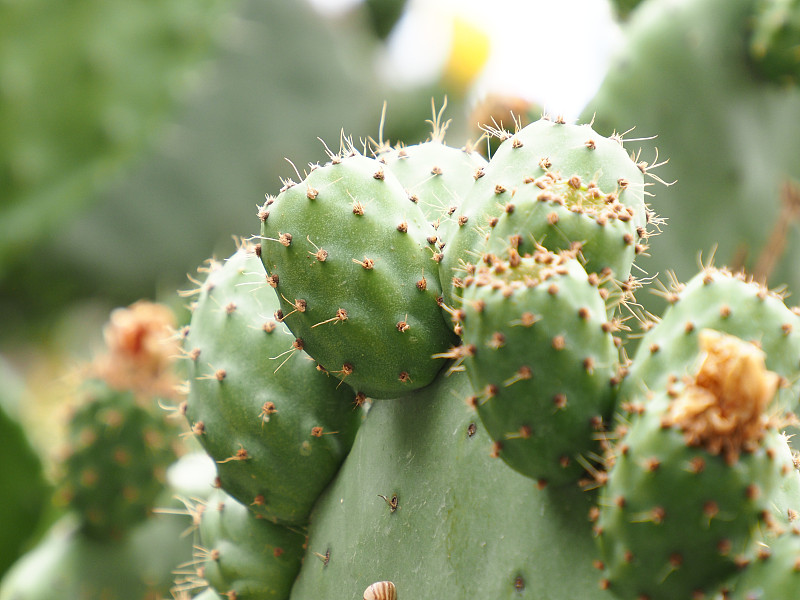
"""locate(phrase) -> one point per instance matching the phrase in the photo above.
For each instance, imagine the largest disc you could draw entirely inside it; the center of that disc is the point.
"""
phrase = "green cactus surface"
(544, 146)
(421, 502)
(684, 78)
(246, 557)
(659, 489)
(569, 215)
(723, 301)
(541, 355)
(354, 262)
(276, 425)
(116, 459)
(435, 175)
(703, 455)
(775, 572)
(70, 564)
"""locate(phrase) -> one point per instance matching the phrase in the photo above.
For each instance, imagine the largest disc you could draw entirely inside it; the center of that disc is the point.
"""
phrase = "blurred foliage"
(728, 139)
(283, 79)
(384, 14)
(83, 85)
(23, 488)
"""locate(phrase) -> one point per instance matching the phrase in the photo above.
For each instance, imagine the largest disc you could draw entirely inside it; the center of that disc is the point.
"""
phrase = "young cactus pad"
(705, 459)
(542, 147)
(116, 462)
(541, 354)
(275, 424)
(354, 263)
(436, 176)
(245, 557)
(724, 301)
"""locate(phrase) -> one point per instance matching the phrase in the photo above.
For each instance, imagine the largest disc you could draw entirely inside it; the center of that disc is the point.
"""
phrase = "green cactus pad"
(723, 301)
(245, 557)
(420, 502)
(277, 426)
(658, 490)
(775, 572)
(704, 458)
(116, 460)
(437, 176)
(541, 147)
(539, 351)
(355, 264)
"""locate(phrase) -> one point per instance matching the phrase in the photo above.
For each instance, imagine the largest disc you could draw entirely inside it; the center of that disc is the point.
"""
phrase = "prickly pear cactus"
(243, 556)
(435, 175)
(704, 457)
(355, 264)
(529, 429)
(527, 164)
(720, 300)
(774, 573)
(277, 426)
(518, 317)
(421, 502)
(115, 462)
(109, 541)
(684, 77)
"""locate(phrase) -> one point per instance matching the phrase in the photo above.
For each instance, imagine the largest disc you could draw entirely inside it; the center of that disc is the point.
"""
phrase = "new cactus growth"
(243, 556)
(108, 541)
(531, 159)
(354, 262)
(116, 461)
(541, 355)
(435, 175)
(702, 456)
(276, 425)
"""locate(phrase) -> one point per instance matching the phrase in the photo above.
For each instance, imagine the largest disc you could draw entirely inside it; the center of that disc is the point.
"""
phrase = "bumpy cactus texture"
(524, 164)
(522, 427)
(354, 261)
(517, 319)
(421, 502)
(244, 556)
(276, 425)
(703, 458)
